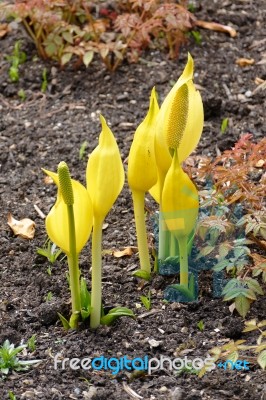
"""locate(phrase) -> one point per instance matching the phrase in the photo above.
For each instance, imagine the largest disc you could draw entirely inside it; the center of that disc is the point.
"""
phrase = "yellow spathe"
(57, 220)
(142, 171)
(179, 125)
(180, 203)
(105, 174)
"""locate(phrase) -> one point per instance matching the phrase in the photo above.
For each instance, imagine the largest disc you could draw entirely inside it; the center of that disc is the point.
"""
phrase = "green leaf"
(66, 58)
(64, 321)
(241, 251)
(262, 359)
(242, 305)
(68, 37)
(115, 313)
(224, 123)
(233, 356)
(146, 301)
(205, 251)
(224, 249)
(255, 286)
(251, 325)
(185, 291)
(4, 370)
(260, 347)
(171, 260)
(85, 313)
(88, 57)
(28, 362)
(140, 273)
(58, 40)
(230, 285)
(51, 49)
(16, 350)
(250, 294)
(221, 265)
(235, 292)
(85, 296)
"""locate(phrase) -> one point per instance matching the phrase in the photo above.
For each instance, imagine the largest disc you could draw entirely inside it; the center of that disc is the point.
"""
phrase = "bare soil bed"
(50, 127)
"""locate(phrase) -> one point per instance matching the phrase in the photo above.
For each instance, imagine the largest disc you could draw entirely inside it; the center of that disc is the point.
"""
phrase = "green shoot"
(50, 251)
(11, 395)
(191, 7)
(224, 125)
(31, 343)
(49, 296)
(22, 94)
(146, 301)
(197, 37)
(82, 149)
(44, 81)
(200, 325)
(18, 57)
(187, 370)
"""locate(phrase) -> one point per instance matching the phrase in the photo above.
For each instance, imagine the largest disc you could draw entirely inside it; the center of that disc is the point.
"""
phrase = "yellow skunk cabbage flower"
(181, 114)
(57, 219)
(105, 173)
(105, 179)
(180, 203)
(142, 174)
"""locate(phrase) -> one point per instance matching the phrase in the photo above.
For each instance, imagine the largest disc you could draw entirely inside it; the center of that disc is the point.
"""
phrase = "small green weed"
(17, 58)
(9, 360)
(50, 251)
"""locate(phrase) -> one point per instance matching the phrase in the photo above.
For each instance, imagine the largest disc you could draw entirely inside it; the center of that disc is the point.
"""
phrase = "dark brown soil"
(48, 128)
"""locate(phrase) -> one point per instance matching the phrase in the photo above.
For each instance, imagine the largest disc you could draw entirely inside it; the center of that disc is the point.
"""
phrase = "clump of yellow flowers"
(164, 139)
(161, 143)
(77, 211)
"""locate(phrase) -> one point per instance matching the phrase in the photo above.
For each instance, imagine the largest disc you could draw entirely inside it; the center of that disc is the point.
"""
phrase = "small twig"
(149, 313)
(39, 212)
(131, 392)
(69, 106)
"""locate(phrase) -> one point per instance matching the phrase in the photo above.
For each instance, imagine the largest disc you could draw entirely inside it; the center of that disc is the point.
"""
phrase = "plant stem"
(138, 203)
(173, 251)
(73, 269)
(96, 276)
(183, 255)
(164, 237)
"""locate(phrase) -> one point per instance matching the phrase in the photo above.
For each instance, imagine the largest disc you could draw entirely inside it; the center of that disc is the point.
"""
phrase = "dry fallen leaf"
(48, 180)
(232, 307)
(214, 26)
(4, 28)
(24, 228)
(120, 253)
(260, 164)
(259, 81)
(243, 62)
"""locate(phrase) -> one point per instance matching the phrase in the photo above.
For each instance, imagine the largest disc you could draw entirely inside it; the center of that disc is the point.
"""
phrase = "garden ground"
(50, 127)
